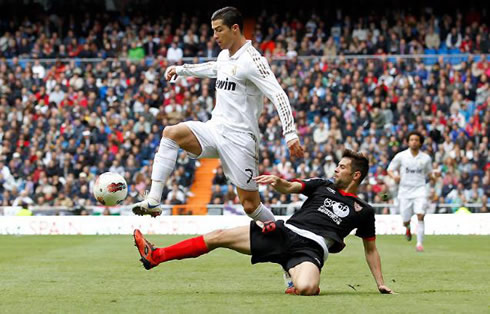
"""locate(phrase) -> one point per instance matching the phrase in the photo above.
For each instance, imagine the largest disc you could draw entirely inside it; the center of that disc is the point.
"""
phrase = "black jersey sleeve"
(310, 185)
(366, 229)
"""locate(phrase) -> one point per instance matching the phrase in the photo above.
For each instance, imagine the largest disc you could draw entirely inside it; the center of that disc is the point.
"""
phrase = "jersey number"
(251, 173)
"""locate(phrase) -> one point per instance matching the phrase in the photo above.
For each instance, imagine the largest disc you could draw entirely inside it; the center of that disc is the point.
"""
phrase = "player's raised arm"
(201, 70)
(261, 75)
(280, 185)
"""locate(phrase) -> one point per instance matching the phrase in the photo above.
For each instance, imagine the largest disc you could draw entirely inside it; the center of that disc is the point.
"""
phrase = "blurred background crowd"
(84, 93)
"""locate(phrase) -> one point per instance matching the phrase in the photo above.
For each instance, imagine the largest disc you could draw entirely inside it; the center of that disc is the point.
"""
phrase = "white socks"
(163, 165)
(262, 213)
(420, 232)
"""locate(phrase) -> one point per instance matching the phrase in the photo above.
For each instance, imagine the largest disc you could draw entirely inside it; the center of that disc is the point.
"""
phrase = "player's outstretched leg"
(163, 165)
(173, 138)
(151, 256)
(237, 239)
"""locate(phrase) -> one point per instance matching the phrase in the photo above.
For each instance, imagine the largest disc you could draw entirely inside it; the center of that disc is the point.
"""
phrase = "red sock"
(186, 249)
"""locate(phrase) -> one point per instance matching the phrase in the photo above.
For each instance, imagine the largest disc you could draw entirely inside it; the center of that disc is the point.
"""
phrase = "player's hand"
(268, 179)
(385, 290)
(295, 148)
(171, 73)
(397, 179)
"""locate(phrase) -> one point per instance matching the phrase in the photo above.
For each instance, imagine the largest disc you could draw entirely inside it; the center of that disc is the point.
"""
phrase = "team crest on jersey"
(357, 207)
(335, 210)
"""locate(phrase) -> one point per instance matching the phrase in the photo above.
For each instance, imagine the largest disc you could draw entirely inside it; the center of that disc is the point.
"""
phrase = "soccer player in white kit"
(410, 168)
(243, 78)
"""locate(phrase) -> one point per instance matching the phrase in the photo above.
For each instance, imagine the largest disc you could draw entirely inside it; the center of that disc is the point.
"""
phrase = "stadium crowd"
(64, 122)
(137, 36)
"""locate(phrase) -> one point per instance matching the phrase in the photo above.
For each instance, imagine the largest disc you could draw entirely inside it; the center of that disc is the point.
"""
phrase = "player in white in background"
(232, 134)
(409, 169)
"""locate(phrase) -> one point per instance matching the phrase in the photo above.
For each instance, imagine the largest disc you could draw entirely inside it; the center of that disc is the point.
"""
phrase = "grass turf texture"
(102, 274)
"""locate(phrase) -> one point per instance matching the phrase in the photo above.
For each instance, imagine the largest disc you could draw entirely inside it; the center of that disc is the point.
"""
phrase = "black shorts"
(284, 247)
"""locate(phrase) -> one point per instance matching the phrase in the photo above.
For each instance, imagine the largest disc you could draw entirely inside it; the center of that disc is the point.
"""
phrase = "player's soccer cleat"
(419, 248)
(145, 249)
(408, 235)
(147, 207)
(288, 281)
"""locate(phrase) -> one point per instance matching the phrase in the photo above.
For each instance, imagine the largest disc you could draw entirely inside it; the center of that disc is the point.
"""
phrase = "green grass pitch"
(100, 274)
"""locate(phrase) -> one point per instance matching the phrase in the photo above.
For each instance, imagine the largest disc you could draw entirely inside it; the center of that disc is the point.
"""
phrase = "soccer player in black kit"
(302, 243)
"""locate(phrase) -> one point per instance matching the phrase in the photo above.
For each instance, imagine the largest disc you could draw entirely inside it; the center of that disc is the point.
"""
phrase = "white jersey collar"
(242, 49)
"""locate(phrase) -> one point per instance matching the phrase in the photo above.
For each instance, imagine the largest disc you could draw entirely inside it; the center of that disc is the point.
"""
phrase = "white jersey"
(242, 81)
(413, 172)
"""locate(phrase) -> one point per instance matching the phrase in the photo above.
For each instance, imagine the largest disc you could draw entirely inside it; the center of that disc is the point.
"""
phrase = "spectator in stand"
(174, 52)
(432, 39)
(175, 196)
(453, 39)
(219, 177)
(217, 196)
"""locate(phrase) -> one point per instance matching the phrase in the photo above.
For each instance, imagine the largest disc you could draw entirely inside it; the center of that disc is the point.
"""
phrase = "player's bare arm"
(374, 262)
(280, 185)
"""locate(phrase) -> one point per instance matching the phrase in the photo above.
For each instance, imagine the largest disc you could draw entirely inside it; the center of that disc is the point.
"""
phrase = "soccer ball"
(110, 189)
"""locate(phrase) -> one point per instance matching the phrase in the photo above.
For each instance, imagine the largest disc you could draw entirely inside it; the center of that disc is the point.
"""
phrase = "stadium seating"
(120, 107)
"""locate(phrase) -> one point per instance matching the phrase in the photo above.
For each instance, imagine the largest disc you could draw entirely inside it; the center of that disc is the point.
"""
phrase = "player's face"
(343, 173)
(414, 142)
(223, 35)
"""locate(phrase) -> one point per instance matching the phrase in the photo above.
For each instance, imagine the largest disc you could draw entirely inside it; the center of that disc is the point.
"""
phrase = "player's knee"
(306, 288)
(215, 238)
(249, 205)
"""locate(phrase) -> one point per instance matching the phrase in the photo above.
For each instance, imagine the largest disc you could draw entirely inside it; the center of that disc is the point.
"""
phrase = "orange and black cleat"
(145, 249)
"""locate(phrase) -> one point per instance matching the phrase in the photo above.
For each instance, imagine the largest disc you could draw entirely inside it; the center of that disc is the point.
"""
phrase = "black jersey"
(332, 213)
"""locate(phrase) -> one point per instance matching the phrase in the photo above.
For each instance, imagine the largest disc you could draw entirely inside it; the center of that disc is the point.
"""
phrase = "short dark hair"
(359, 162)
(417, 133)
(230, 17)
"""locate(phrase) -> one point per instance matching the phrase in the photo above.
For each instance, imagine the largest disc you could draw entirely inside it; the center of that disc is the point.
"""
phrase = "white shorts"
(238, 151)
(410, 206)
